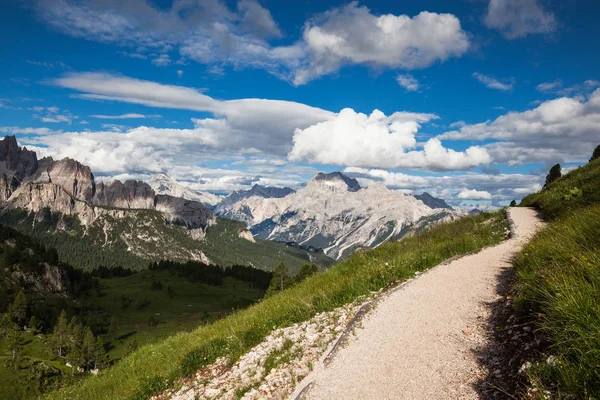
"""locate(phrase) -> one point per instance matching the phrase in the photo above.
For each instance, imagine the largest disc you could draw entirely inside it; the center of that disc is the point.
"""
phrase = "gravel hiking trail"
(421, 341)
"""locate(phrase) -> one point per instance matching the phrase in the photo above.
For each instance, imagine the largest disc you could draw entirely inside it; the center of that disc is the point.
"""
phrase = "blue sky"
(470, 100)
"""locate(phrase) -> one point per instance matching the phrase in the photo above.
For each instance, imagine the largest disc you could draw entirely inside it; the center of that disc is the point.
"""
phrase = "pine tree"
(280, 280)
(15, 342)
(88, 347)
(18, 309)
(553, 175)
(305, 271)
(112, 328)
(513, 203)
(60, 337)
(33, 324)
(596, 154)
(100, 357)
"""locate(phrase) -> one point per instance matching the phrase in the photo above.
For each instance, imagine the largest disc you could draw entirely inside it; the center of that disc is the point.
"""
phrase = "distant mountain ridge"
(334, 213)
(93, 224)
(431, 201)
(165, 185)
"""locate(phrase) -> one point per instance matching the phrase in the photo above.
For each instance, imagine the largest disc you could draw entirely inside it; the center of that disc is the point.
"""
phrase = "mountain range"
(333, 213)
(93, 224)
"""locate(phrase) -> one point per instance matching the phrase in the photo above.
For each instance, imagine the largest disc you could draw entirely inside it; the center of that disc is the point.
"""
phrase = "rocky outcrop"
(75, 178)
(131, 194)
(337, 179)
(16, 161)
(431, 201)
(191, 214)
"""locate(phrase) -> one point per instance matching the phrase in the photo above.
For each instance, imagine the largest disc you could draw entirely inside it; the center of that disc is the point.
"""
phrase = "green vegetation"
(154, 367)
(596, 154)
(104, 315)
(143, 236)
(558, 284)
(574, 191)
(554, 174)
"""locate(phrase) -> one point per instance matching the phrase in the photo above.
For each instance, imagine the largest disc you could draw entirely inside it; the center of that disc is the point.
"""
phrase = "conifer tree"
(280, 280)
(88, 347)
(18, 309)
(112, 328)
(513, 203)
(60, 337)
(305, 271)
(553, 175)
(15, 342)
(596, 153)
(100, 357)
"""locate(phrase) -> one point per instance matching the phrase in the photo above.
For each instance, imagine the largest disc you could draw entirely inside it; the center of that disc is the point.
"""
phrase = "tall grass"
(154, 367)
(558, 282)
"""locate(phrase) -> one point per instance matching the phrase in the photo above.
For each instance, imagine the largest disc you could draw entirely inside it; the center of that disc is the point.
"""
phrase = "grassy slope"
(192, 305)
(558, 282)
(147, 370)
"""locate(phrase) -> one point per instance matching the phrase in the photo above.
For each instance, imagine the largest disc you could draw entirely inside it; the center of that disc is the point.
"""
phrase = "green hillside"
(123, 309)
(152, 368)
(143, 236)
(558, 285)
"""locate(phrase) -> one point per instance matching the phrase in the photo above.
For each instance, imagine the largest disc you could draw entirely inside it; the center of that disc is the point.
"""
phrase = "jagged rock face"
(131, 194)
(336, 179)
(334, 214)
(191, 214)
(16, 161)
(41, 174)
(75, 178)
(431, 201)
(164, 184)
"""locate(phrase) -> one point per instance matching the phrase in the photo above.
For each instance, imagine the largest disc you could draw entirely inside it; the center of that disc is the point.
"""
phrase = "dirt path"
(421, 341)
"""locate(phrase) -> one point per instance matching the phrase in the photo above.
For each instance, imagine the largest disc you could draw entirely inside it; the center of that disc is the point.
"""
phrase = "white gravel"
(421, 341)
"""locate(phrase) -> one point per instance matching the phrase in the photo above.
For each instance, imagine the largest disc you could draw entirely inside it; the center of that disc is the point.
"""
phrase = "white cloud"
(125, 116)
(519, 18)
(52, 114)
(492, 83)
(408, 82)
(353, 35)
(563, 129)
(548, 86)
(179, 73)
(242, 124)
(500, 186)
(257, 19)
(473, 194)
(209, 32)
(378, 141)
(162, 60)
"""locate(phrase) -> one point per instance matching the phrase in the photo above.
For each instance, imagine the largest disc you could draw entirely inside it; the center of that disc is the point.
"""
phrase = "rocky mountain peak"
(15, 161)
(335, 180)
(432, 202)
(75, 178)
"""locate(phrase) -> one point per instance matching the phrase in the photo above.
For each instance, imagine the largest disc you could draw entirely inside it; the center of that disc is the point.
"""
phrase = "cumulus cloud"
(473, 194)
(492, 83)
(209, 32)
(563, 129)
(257, 19)
(378, 141)
(519, 18)
(353, 35)
(408, 82)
